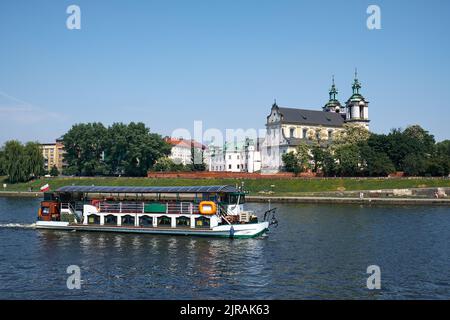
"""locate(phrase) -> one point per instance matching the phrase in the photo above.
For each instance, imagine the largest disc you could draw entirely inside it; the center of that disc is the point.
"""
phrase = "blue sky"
(168, 63)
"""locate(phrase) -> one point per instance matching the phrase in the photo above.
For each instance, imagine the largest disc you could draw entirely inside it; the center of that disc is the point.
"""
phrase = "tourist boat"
(198, 210)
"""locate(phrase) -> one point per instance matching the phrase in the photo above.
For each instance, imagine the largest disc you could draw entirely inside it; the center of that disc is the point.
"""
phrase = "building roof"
(176, 189)
(184, 143)
(311, 117)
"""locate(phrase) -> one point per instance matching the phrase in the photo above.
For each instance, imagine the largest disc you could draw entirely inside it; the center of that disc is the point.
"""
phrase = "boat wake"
(18, 225)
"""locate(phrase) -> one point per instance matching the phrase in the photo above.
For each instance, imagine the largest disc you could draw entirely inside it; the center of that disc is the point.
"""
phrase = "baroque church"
(286, 128)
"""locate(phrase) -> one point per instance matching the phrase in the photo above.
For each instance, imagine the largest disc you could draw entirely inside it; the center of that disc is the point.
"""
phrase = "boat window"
(233, 199)
(183, 222)
(93, 219)
(164, 221)
(128, 220)
(111, 219)
(202, 222)
(145, 221)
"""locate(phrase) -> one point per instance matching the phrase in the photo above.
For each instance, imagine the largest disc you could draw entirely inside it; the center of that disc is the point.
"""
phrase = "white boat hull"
(248, 230)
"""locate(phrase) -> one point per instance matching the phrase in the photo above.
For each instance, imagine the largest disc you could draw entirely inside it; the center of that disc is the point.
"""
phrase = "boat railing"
(121, 207)
(139, 207)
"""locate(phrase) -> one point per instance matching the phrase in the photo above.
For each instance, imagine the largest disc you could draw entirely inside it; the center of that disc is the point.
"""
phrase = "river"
(316, 252)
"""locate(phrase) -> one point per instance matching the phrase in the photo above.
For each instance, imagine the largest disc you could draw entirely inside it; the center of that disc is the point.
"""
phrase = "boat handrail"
(139, 207)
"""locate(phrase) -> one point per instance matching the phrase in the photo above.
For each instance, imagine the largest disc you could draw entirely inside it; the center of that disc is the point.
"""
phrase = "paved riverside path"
(349, 200)
(299, 199)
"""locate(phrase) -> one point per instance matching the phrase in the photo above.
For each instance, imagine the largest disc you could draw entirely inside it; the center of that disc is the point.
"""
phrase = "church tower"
(333, 104)
(357, 106)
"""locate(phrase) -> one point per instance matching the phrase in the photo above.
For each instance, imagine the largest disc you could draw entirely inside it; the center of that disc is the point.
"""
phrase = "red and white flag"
(45, 187)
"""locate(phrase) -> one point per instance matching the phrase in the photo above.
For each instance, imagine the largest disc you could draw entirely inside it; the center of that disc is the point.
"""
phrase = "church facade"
(286, 128)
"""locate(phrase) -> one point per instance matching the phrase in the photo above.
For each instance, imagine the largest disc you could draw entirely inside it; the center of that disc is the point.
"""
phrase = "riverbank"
(262, 187)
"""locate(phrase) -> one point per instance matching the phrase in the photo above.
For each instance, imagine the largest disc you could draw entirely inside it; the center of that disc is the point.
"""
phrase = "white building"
(235, 157)
(181, 151)
(286, 128)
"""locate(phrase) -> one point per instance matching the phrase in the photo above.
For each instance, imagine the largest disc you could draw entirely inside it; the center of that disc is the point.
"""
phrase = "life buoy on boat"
(207, 207)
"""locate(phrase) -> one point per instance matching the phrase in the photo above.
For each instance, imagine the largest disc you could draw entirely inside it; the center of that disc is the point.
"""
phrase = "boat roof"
(185, 189)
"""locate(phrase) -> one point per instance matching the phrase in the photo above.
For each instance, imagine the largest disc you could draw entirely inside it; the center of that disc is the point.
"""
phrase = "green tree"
(298, 161)
(197, 158)
(329, 165)
(54, 172)
(348, 160)
(443, 149)
(132, 150)
(351, 134)
(34, 159)
(2, 163)
(164, 164)
(302, 152)
(291, 163)
(84, 145)
(439, 164)
(15, 164)
(414, 164)
(318, 157)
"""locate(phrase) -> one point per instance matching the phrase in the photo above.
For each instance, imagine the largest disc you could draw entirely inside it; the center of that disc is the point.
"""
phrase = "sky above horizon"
(169, 63)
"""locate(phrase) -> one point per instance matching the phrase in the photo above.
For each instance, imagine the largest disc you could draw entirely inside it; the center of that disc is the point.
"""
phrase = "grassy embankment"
(282, 187)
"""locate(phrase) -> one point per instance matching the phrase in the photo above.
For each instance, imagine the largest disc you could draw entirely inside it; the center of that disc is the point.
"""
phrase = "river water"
(316, 252)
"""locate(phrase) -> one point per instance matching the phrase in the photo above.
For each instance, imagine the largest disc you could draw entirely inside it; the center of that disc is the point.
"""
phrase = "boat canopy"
(192, 189)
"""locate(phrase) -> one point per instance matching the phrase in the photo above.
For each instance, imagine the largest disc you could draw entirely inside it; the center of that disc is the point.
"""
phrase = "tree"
(84, 145)
(303, 155)
(291, 163)
(34, 159)
(351, 134)
(329, 165)
(318, 157)
(424, 141)
(298, 161)
(121, 149)
(439, 164)
(164, 164)
(443, 149)
(2, 163)
(348, 160)
(15, 162)
(197, 158)
(132, 150)
(377, 164)
(414, 164)
(54, 172)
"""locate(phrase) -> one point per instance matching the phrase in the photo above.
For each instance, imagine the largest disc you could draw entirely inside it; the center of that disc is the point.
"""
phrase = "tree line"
(92, 149)
(120, 149)
(357, 152)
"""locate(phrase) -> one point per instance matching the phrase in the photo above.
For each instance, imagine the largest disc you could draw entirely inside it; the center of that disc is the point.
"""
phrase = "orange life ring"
(207, 207)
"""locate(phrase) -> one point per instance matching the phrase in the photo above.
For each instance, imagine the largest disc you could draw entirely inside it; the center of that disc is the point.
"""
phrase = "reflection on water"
(316, 252)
